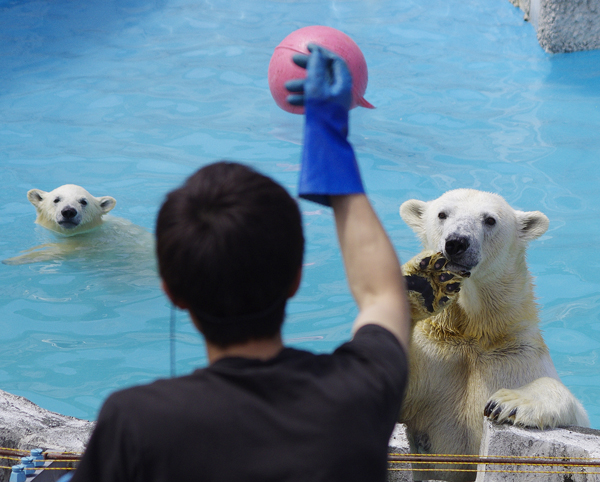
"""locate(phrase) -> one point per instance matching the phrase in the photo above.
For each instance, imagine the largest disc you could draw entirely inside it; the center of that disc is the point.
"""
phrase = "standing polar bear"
(84, 229)
(476, 346)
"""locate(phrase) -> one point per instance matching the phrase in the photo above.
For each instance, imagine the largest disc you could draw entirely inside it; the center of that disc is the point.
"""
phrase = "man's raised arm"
(330, 176)
(372, 268)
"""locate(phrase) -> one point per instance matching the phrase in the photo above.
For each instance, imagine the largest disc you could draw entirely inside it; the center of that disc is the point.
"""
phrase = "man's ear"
(178, 303)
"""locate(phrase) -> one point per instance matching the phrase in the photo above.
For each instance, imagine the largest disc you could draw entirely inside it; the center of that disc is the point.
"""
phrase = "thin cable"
(510, 471)
(172, 341)
(493, 460)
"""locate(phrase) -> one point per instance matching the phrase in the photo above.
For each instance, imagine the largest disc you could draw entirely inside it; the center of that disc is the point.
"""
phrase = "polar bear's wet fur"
(84, 230)
(484, 353)
(69, 209)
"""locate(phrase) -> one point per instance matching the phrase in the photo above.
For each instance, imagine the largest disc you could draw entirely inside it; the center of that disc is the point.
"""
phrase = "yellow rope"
(18, 459)
(510, 460)
(553, 464)
(502, 471)
(57, 468)
(4, 457)
(498, 460)
(496, 456)
(39, 468)
(399, 454)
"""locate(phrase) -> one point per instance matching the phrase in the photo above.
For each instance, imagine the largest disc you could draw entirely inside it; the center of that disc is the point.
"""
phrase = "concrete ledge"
(24, 425)
(564, 25)
(567, 444)
(398, 444)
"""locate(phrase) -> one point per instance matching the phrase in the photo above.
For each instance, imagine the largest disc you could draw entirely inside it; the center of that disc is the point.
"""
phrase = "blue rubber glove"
(328, 163)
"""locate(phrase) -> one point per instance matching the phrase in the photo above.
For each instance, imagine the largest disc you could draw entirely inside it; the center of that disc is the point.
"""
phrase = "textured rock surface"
(567, 444)
(564, 25)
(398, 444)
(24, 425)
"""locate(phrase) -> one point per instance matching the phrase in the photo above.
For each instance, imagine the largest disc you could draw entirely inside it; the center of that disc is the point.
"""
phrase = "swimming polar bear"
(80, 221)
(476, 348)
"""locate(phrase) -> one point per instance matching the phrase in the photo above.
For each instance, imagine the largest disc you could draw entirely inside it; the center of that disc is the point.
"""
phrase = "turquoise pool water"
(127, 98)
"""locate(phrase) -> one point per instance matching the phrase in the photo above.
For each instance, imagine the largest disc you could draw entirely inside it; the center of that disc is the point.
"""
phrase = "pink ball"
(282, 68)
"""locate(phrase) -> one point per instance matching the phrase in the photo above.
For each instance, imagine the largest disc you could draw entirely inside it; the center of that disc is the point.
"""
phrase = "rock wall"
(564, 25)
(570, 445)
(24, 425)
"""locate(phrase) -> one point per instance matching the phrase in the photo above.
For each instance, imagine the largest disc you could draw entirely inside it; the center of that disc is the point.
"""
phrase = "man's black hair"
(230, 246)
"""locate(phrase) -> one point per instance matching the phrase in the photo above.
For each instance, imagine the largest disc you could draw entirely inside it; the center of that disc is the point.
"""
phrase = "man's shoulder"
(376, 350)
(377, 339)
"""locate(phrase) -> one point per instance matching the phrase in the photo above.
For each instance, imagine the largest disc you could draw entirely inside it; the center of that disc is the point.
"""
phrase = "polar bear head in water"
(69, 209)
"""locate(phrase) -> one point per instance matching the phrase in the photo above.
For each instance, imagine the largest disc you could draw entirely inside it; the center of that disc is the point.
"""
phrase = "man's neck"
(258, 349)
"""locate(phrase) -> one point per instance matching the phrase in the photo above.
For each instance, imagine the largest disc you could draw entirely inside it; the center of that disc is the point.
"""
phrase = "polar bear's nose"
(69, 213)
(456, 246)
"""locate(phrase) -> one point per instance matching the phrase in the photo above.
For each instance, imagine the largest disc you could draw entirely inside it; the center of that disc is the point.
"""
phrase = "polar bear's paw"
(430, 283)
(543, 403)
(504, 405)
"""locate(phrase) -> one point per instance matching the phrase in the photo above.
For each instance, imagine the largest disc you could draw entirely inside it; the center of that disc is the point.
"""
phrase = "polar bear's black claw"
(453, 287)
(490, 406)
(496, 413)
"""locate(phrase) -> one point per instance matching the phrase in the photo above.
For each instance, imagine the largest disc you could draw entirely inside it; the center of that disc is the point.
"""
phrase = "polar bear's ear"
(413, 212)
(532, 224)
(36, 196)
(106, 203)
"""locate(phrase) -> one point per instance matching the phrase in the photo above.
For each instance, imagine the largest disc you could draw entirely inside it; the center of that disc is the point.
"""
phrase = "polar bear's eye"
(83, 202)
(442, 215)
(56, 200)
(490, 221)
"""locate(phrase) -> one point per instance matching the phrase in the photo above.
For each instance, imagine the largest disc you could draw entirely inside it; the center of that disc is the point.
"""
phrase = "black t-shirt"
(295, 417)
